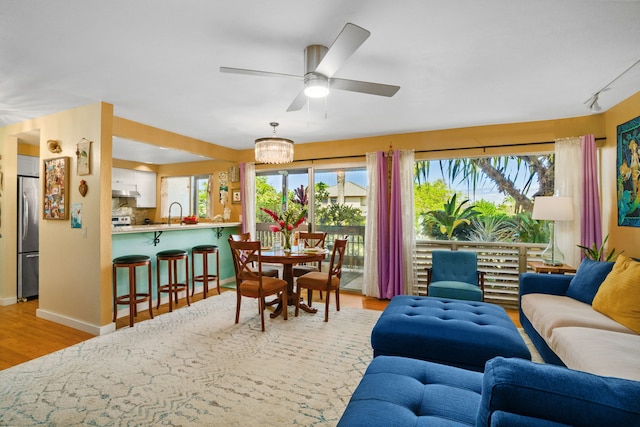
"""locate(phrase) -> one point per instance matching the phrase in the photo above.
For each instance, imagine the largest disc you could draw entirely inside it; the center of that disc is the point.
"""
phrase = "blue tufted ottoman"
(398, 391)
(459, 333)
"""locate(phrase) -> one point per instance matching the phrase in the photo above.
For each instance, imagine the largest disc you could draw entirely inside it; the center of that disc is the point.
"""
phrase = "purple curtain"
(383, 224)
(242, 198)
(395, 284)
(591, 225)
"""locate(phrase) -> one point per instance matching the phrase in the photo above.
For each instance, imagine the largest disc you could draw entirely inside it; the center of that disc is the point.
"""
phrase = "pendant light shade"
(274, 150)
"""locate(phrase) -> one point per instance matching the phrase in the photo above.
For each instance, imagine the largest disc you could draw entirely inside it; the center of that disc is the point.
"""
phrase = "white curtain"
(249, 199)
(370, 276)
(568, 182)
(164, 197)
(210, 187)
(407, 167)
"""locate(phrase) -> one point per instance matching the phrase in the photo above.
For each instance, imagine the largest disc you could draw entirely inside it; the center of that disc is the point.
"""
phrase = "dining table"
(288, 260)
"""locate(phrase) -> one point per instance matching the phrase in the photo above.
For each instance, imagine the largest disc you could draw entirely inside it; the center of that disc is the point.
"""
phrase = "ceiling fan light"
(316, 86)
(274, 150)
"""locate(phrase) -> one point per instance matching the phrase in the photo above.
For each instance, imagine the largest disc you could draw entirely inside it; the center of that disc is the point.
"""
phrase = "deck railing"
(502, 262)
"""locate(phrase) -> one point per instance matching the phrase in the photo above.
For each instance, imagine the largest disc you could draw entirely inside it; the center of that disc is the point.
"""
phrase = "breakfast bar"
(151, 239)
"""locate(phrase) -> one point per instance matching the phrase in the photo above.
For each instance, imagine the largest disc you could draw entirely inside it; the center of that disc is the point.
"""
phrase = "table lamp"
(553, 208)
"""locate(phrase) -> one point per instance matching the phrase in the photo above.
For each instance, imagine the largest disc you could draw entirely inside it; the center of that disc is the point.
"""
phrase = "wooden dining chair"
(266, 271)
(250, 282)
(310, 240)
(325, 281)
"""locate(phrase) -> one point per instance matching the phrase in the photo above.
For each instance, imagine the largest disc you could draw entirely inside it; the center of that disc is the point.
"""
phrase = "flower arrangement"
(287, 221)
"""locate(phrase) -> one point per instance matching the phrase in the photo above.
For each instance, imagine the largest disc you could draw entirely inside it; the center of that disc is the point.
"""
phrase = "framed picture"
(76, 215)
(628, 173)
(235, 196)
(56, 185)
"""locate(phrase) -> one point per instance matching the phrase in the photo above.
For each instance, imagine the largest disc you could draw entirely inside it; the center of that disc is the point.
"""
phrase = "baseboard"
(75, 324)
(94, 329)
(8, 301)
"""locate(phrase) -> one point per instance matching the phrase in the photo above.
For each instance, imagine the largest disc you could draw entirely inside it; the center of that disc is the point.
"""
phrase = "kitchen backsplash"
(127, 206)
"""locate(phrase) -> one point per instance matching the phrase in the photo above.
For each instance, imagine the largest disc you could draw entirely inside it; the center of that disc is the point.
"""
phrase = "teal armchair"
(455, 275)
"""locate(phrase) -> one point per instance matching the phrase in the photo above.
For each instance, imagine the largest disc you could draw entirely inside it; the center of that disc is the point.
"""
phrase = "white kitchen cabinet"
(146, 186)
(133, 180)
(123, 179)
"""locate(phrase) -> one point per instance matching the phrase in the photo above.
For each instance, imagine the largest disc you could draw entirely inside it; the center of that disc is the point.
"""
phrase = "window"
(191, 192)
(482, 199)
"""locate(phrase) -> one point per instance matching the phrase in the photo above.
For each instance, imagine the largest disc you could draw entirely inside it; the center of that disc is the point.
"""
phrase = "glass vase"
(286, 241)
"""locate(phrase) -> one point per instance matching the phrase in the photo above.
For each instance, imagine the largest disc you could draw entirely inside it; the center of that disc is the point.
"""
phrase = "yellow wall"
(74, 269)
(625, 239)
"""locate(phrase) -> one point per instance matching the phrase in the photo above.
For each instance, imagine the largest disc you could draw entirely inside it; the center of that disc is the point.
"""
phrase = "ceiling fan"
(321, 63)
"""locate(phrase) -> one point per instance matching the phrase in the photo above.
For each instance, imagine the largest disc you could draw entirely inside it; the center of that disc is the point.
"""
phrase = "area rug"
(195, 367)
(535, 355)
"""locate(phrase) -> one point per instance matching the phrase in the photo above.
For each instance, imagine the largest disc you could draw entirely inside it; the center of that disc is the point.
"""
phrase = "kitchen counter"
(173, 227)
(153, 238)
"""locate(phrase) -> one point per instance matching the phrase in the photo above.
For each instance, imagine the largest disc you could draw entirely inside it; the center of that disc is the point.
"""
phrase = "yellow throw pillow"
(619, 294)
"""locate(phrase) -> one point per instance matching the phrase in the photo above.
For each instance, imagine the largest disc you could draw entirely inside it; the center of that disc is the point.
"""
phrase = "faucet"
(170, 206)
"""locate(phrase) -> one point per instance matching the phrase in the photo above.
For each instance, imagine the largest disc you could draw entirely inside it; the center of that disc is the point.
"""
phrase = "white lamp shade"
(553, 208)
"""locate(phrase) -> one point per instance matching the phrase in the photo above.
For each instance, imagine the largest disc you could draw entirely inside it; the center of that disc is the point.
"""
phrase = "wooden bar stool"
(205, 277)
(133, 297)
(173, 287)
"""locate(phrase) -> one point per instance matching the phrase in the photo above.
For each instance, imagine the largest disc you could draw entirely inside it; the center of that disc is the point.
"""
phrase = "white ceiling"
(459, 63)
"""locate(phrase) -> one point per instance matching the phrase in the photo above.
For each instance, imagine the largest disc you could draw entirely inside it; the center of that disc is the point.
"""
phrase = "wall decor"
(56, 183)
(236, 196)
(54, 146)
(83, 188)
(628, 173)
(234, 174)
(83, 155)
(223, 185)
(76, 215)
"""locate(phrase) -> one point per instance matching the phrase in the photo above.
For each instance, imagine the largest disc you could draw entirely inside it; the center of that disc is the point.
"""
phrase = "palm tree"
(453, 217)
(497, 169)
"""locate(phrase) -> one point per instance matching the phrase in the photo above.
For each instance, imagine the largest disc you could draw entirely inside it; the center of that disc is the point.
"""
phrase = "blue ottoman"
(398, 391)
(458, 333)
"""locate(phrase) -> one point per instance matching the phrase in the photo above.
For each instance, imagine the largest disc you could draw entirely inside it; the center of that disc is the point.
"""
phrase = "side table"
(540, 267)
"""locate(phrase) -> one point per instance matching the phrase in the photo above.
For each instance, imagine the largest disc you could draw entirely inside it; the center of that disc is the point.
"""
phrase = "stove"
(120, 220)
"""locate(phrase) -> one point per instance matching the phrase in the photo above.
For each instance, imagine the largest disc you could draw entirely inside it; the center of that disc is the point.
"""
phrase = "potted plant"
(596, 254)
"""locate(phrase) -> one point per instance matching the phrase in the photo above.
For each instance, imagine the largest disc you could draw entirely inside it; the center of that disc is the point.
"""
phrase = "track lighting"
(593, 105)
(592, 102)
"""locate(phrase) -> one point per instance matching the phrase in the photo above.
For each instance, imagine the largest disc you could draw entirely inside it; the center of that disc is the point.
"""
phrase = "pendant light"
(273, 149)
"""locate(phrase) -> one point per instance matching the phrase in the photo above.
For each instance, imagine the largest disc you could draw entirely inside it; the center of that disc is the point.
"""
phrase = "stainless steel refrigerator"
(28, 224)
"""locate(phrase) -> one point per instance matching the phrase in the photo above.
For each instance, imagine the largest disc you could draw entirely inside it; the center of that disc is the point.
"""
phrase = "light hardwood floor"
(23, 336)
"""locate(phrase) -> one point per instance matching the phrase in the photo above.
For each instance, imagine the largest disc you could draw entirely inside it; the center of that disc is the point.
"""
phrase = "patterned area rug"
(196, 367)
(535, 356)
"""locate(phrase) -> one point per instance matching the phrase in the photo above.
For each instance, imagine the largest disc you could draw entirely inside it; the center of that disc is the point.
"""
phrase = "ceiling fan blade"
(364, 87)
(258, 73)
(348, 41)
(298, 103)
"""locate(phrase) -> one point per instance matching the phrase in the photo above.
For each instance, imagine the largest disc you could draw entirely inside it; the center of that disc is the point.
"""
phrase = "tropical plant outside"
(509, 221)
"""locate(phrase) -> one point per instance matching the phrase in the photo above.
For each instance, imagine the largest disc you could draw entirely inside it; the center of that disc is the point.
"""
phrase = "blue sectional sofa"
(558, 314)
(398, 391)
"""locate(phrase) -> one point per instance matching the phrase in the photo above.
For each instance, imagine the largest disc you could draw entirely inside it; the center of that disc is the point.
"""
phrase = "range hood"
(125, 193)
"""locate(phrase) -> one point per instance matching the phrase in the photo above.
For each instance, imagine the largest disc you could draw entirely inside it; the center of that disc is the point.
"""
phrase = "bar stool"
(173, 287)
(205, 277)
(133, 297)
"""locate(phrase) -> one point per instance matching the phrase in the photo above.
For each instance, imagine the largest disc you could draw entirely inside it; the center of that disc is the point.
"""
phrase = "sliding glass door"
(340, 209)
